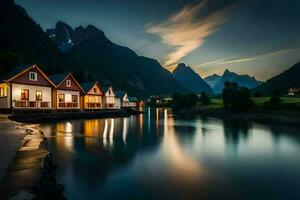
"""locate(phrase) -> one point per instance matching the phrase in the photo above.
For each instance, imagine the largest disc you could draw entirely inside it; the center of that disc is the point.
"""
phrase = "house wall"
(117, 103)
(46, 92)
(73, 87)
(24, 79)
(68, 97)
(92, 99)
(5, 101)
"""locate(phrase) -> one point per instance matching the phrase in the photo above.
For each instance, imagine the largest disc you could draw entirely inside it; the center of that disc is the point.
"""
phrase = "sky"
(255, 37)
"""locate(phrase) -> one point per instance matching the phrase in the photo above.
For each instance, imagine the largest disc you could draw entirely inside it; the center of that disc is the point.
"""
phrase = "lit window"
(33, 76)
(38, 95)
(68, 83)
(24, 94)
(3, 92)
(74, 98)
(61, 98)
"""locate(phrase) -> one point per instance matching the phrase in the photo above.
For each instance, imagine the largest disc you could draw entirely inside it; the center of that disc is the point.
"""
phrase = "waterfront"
(159, 156)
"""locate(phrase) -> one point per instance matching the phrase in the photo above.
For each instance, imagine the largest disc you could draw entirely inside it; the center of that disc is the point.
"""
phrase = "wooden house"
(109, 97)
(132, 101)
(123, 98)
(26, 87)
(68, 94)
(93, 97)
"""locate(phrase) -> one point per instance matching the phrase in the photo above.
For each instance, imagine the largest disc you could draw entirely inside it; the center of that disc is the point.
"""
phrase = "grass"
(260, 101)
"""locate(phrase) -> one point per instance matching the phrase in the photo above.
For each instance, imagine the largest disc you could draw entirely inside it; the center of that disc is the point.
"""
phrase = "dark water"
(156, 156)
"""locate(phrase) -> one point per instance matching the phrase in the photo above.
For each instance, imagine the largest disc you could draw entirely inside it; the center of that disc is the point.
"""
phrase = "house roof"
(132, 99)
(58, 78)
(14, 71)
(87, 86)
(120, 94)
(19, 70)
(105, 88)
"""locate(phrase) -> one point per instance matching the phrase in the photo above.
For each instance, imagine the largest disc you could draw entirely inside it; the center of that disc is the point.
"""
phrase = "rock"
(23, 195)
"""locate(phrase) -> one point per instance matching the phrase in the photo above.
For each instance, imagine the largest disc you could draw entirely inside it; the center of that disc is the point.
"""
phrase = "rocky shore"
(276, 116)
(32, 172)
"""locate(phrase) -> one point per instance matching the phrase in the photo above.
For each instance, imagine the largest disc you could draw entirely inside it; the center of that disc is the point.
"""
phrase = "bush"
(275, 98)
(235, 97)
(181, 101)
(204, 98)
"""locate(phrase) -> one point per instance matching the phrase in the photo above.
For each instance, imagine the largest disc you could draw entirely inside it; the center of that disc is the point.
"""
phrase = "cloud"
(226, 61)
(185, 31)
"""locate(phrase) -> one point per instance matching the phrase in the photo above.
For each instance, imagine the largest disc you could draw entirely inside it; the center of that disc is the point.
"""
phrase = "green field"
(259, 101)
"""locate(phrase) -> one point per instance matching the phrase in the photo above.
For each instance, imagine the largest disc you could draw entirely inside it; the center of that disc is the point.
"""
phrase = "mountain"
(21, 39)
(282, 82)
(217, 82)
(93, 56)
(190, 79)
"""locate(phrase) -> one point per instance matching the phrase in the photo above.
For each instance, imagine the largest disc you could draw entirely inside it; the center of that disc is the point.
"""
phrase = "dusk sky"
(257, 37)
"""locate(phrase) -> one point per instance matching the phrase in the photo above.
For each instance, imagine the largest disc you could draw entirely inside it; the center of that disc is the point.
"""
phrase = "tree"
(235, 97)
(204, 98)
(275, 98)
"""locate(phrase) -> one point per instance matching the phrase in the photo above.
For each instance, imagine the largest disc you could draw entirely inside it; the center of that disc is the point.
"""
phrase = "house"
(109, 97)
(122, 95)
(132, 101)
(294, 92)
(68, 94)
(26, 87)
(93, 97)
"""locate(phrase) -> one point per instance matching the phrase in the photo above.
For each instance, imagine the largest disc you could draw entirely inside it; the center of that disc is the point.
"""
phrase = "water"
(158, 156)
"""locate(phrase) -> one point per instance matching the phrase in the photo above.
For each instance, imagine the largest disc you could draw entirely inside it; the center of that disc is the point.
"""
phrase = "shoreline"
(40, 117)
(31, 175)
(277, 116)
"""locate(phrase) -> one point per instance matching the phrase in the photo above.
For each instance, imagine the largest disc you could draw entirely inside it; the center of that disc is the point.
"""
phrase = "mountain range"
(86, 52)
(216, 82)
(282, 82)
(190, 79)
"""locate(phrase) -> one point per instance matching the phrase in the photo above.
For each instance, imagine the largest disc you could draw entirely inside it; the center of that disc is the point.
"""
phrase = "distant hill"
(89, 54)
(21, 39)
(217, 82)
(282, 82)
(190, 79)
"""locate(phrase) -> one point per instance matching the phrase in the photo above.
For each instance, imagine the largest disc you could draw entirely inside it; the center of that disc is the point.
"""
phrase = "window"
(3, 92)
(109, 92)
(74, 98)
(95, 90)
(61, 98)
(68, 83)
(38, 95)
(33, 76)
(24, 94)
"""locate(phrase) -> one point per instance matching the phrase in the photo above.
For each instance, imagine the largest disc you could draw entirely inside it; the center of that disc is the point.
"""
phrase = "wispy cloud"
(228, 60)
(185, 31)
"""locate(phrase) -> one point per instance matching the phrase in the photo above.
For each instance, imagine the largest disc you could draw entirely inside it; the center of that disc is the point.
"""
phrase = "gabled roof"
(57, 79)
(89, 85)
(120, 94)
(132, 99)
(105, 88)
(19, 70)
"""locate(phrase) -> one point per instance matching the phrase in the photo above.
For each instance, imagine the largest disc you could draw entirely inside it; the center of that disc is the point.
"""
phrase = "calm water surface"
(157, 156)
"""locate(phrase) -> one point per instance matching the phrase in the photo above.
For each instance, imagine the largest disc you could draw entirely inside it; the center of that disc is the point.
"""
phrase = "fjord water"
(159, 156)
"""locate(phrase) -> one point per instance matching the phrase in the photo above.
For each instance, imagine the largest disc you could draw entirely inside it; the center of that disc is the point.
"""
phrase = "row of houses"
(28, 87)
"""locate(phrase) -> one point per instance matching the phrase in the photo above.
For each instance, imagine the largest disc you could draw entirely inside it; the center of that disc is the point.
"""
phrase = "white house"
(26, 87)
(109, 97)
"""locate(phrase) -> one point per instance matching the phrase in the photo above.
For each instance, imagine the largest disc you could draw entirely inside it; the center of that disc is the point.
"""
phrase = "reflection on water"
(157, 156)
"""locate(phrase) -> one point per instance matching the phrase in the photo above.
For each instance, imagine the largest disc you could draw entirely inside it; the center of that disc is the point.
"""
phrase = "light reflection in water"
(125, 129)
(111, 132)
(181, 163)
(105, 129)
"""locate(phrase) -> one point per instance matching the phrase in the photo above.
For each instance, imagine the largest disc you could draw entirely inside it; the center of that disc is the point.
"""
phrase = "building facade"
(93, 97)
(26, 87)
(109, 97)
(68, 94)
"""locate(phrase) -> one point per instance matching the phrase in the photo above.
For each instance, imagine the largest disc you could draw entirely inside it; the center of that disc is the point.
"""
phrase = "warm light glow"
(124, 134)
(105, 129)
